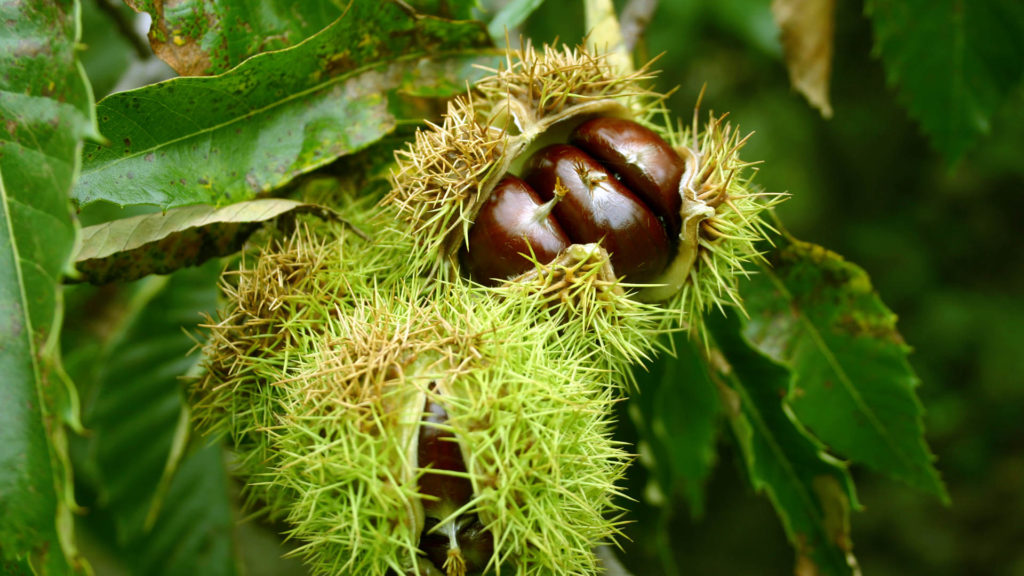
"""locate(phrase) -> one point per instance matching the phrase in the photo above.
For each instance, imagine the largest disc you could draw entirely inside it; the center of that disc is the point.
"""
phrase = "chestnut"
(464, 536)
(641, 159)
(617, 183)
(438, 450)
(596, 207)
(513, 223)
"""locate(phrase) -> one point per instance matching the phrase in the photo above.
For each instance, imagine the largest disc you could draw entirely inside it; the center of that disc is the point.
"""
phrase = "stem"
(605, 36)
(634, 20)
(545, 209)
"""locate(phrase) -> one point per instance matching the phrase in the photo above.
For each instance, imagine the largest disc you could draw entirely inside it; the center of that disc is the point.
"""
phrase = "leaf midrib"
(101, 166)
(838, 369)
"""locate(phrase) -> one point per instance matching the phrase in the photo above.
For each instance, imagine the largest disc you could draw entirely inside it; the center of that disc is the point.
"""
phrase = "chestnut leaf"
(127, 348)
(228, 138)
(199, 38)
(134, 247)
(953, 62)
(851, 385)
(811, 492)
(45, 113)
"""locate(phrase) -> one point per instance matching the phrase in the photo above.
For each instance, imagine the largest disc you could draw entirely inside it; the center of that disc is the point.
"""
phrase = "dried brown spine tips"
(461, 544)
(618, 184)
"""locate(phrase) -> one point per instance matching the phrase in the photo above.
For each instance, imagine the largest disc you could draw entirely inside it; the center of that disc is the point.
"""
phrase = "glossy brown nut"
(475, 542)
(645, 162)
(438, 450)
(507, 227)
(599, 208)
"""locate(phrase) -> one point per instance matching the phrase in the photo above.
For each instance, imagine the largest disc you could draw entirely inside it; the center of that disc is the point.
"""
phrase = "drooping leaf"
(134, 247)
(678, 409)
(811, 492)
(199, 37)
(132, 394)
(45, 112)
(194, 532)
(852, 386)
(511, 15)
(227, 138)
(807, 28)
(953, 62)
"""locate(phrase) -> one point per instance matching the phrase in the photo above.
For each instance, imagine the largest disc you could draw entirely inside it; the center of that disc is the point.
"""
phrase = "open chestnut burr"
(615, 183)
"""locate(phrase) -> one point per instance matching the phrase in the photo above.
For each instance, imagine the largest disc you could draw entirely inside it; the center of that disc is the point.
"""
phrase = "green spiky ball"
(538, 97)
(318, 367)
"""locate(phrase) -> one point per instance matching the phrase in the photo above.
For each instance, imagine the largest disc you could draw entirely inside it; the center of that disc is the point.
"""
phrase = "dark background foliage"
(939, 239)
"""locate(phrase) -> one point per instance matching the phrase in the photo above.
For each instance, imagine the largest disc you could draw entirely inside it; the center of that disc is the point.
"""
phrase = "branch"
(634, 20)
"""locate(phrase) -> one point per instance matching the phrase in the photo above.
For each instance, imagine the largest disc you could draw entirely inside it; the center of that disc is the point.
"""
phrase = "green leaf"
(953, 61)
(194, 533)
(45, 111)
(811, 492)
(510, 17)
(198, 38)
(678, 413)
(134, 247)
(133, 402)
(852, 385)
(223, 139)
(450, 9)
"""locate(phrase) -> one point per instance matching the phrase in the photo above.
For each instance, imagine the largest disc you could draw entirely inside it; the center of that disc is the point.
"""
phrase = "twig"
(127, 29)
(611, 564)
(634, 20)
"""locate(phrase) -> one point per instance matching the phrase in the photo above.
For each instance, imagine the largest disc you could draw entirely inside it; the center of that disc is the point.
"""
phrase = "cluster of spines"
(348, 431)
(727, 239)
(534, 86)
(536, 431)
(443, 178)
(324, 409)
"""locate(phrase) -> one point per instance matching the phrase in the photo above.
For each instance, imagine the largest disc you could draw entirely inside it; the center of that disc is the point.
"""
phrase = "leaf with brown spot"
(134, 247)
(228, 138)
(807, 28)
(199, 38)
(812, 493)
(851, 385)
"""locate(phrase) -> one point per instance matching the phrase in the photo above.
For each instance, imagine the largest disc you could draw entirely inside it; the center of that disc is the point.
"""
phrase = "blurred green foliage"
(936, 240)
(939, 244)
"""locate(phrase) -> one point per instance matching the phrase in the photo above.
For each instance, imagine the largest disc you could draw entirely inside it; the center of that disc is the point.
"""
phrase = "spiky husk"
(318, 369)
(446, 175)
(444, 178)
(724, 222)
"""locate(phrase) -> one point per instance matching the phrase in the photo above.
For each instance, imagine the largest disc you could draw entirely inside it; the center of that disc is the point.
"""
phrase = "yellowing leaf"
(134, 247)
(807, 28)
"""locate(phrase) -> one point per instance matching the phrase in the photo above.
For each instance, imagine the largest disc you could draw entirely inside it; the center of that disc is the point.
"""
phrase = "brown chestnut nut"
(512, 223)
(644, 162)
(596, 207)
(462, 538)
(438, 450)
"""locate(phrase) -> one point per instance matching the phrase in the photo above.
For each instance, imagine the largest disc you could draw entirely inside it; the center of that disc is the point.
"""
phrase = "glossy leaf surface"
(223, 139)
(811, 492)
